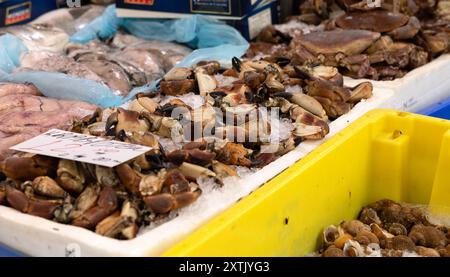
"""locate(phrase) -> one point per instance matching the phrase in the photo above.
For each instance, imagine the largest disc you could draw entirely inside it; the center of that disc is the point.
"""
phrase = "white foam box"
(39, 237)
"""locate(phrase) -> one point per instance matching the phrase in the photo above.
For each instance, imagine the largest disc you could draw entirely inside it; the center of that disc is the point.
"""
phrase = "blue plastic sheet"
(11, 48)
(196, 31)
(59, 85)
(214, 39)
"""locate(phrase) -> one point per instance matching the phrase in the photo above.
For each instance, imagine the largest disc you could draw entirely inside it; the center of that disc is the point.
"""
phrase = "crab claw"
(334, 109)
(141, 104)
(309, 103)
(254, 79)
(17, 199)
(113, 225)
(129, 121)
(28, 168)
(192, 171)
(436, 43)
(177, 156)
(222, 170)
(175, 182)
(146, 139)
(179, 73)
(206, 83)
(130, 212)
(362, 91)
(186, 198)
(263, 159)
(195, 156)
(152, 183)
(166, 202)
(106, 176)
(177, 87)
(153, 158)
(129, 178)
(21, 202)
(85, 201)
(327, 89)
(210, 67)
(120, 223)
(203, 158)
(46, 186)
(70, 176)
(164, 126)
(234, 154)
(168, 108)
(106, 204)
(202, 144)
(309, 126)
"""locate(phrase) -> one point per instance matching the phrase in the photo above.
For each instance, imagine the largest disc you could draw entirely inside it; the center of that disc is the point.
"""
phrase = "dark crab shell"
(377, 21)
(349, 42)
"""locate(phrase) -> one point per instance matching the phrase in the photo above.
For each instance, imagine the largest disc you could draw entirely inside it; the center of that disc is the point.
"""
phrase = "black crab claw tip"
(93, 118)
(122, 135)
(236, 62)
(283, 61)
(161, 149)
(297, 141)
(249, 96)
(156, 161)
(302, 74)
(110, 132)
(167, 109)
(284, 94)
(217, 94)
(284, 38)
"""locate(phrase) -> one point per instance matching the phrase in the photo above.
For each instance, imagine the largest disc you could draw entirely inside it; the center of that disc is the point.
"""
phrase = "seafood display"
(26, 113)
(248, 116)
(121, 64)
(387, 229)
(363, 41)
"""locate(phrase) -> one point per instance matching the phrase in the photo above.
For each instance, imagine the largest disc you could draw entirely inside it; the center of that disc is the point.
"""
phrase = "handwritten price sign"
(81, 148)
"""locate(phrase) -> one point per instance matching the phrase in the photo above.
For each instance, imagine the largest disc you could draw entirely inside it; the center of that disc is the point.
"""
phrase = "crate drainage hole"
(286, 221)
(396, 134)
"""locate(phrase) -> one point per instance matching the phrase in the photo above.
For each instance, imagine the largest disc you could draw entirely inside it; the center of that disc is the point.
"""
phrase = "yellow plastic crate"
(384, 154)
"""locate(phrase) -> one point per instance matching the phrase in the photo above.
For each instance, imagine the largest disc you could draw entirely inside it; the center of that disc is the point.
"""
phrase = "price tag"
(82, 148)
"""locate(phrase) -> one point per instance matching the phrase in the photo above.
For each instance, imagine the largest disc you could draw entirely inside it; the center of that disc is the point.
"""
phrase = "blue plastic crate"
(440, 110)
(8, 252)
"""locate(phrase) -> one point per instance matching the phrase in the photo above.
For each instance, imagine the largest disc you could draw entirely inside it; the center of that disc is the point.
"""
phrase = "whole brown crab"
(362, 53)
(396, 25)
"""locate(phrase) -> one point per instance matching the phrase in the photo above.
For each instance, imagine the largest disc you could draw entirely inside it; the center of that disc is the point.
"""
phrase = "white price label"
(82, 148)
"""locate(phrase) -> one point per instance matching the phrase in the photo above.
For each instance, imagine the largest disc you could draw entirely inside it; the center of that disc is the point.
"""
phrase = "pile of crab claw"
(379, 42)
(116, 202)
(388, 229)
